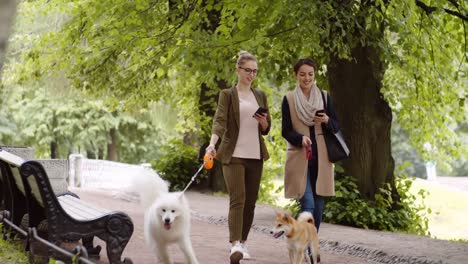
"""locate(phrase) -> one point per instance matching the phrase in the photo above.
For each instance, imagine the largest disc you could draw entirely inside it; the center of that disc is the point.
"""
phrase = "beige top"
(248, 144)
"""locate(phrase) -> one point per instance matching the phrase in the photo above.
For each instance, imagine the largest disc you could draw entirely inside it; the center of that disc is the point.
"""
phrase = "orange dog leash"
(208, 162)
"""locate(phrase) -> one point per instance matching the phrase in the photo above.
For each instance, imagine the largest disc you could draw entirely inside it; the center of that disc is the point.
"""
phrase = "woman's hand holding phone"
(260, 111)
(261, 116)
(321, 116)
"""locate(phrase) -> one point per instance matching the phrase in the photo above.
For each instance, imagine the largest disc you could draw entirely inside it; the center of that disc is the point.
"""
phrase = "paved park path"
(339, 244)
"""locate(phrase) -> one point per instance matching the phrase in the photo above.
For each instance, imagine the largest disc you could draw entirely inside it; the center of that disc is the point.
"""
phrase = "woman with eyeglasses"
(306, 113)
(240, 121)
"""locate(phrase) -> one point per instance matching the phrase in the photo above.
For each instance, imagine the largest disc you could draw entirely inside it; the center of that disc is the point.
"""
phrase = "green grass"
(11, 254)
(449, 210)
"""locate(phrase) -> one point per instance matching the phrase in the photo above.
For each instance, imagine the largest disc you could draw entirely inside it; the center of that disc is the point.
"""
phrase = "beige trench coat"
(295, 172)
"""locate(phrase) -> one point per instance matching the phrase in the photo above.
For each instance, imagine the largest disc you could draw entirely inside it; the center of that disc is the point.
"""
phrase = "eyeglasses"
(249, 71)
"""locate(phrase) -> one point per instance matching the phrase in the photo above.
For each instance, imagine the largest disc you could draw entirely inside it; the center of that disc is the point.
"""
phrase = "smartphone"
(260, 111)
(319, 112)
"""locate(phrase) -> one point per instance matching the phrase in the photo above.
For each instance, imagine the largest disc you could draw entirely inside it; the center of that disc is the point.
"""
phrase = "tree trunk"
(100, 153)
(54, 153)
(365, 121)
(207, 100)
(112, 145)
(90, 154)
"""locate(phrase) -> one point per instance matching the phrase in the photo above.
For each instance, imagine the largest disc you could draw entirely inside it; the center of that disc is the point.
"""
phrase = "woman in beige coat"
(242, 149)
(306, 113)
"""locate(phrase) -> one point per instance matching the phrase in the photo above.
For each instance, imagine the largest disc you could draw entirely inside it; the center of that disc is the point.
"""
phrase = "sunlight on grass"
(449, 209)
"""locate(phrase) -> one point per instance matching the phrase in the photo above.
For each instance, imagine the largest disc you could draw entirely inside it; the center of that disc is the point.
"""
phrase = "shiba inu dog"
(301, 234)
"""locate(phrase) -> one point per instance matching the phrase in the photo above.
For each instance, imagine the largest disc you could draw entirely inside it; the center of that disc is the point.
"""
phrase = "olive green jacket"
(226, 123)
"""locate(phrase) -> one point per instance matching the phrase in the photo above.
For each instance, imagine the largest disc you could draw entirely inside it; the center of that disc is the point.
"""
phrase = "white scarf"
(306, 108)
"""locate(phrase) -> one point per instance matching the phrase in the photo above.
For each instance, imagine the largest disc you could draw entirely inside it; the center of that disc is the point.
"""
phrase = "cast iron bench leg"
(120, 229)
(88, 244)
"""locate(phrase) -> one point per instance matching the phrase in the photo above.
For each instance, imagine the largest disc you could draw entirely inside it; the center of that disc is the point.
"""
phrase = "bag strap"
(324, 98)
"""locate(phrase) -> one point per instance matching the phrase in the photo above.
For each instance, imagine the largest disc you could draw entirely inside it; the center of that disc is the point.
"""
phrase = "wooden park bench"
(66, 217)
(21, 151)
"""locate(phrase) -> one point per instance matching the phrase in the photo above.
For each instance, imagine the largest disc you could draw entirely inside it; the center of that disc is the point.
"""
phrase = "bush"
(178, 164)
(349, 208)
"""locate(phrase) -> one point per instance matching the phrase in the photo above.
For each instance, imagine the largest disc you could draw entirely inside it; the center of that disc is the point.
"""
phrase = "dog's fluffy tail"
(149, 186)
(306, 217)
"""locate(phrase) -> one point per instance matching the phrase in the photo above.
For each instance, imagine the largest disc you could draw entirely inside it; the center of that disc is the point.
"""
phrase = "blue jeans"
(312, 202)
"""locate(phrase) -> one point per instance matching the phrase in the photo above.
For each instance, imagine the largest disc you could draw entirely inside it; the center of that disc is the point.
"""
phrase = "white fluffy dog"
(167, 216)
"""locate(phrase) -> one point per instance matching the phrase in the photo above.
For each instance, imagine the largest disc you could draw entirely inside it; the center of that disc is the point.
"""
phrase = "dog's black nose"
(167, 220)
(271, 232)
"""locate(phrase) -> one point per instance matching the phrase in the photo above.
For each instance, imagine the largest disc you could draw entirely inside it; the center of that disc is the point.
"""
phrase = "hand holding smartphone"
(319, 112)
(260, 111)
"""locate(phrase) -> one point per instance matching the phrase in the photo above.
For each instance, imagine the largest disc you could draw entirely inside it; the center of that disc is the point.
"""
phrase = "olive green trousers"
(242, 178)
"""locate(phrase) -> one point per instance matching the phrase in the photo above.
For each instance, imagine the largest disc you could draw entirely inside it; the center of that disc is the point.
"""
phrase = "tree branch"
(455, 13)
(425, 7)
(455, 3)
(430, 9)
(247, 39)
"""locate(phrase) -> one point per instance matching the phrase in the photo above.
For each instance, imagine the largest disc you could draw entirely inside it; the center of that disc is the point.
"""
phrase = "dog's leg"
(299, 254)
(291, 256)
(186, 246)
(307, 251)
(315, 252)
(162, 253)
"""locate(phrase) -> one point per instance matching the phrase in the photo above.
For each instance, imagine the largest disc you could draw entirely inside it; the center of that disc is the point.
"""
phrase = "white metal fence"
(101, 174)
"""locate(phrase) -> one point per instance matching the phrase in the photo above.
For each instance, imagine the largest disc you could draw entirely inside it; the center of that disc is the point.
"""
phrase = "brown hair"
(245, 56)
(302, 61)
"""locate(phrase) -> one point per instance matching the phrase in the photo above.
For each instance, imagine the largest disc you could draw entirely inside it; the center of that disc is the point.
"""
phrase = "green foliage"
(136, 52)
(178, 164)
(425, 83)
(294, 207)
(273, 168)
(348, 208)
(142, 51)
(7, 129)
(405, 155)
(79, 123)
(11, 254)
(459, 166)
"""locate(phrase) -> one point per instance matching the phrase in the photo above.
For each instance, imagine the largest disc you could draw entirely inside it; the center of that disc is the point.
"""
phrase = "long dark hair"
(303, 61)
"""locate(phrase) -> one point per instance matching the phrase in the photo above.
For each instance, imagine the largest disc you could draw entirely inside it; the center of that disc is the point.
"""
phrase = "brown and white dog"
(300, 234)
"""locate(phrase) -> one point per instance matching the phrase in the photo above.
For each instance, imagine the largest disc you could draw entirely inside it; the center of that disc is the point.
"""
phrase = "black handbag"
(336, 145)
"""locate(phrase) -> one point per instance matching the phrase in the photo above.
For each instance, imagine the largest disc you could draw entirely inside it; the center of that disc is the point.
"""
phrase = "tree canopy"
(412, 55)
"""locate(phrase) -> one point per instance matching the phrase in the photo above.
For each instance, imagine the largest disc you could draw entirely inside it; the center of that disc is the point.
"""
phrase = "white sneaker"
(245, 252)
(236, 254)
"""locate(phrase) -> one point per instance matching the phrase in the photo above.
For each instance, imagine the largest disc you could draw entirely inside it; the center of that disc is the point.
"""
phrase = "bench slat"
(79, 209)
(10, 158)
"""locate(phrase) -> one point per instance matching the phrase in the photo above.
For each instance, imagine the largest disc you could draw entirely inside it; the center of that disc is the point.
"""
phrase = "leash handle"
(208, 160)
